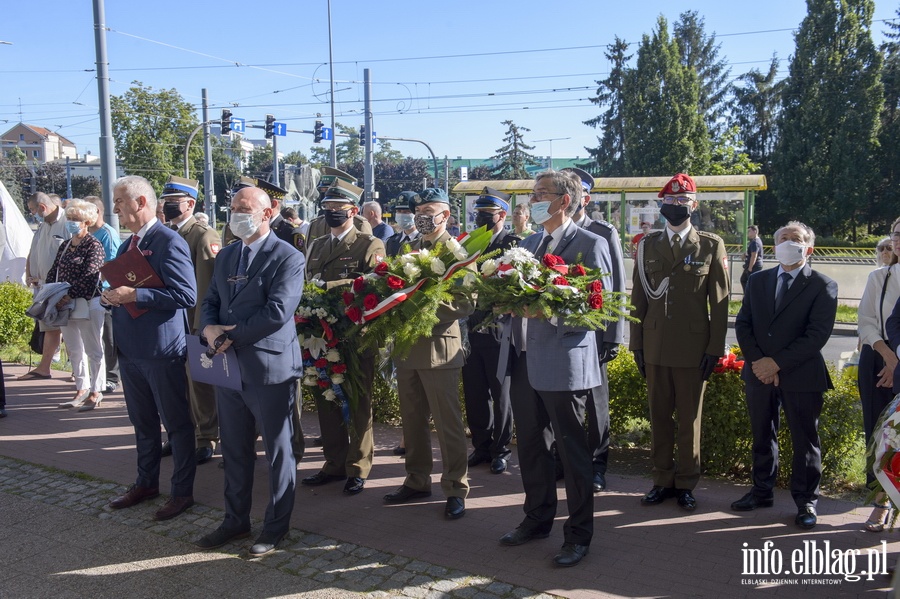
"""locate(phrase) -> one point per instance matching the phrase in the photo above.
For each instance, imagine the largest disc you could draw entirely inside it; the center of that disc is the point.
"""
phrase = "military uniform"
(288, 232)
(318, 228)
(349, 450)
(682, 307)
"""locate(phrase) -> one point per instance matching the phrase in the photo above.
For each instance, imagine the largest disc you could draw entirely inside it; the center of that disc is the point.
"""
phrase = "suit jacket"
(160, 332)
(355, 255)
(264, 337)
(204, 244)
(691, 319)
(502, 242)
(443, 349)
(793, 335)
(393, 246)
(560, 357)
(615, 331)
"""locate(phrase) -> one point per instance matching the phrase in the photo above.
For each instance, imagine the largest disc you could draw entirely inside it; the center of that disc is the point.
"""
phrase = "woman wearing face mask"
(876, 360)
(78, 263)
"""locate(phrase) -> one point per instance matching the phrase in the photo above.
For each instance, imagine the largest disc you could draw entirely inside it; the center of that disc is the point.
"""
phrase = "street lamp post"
(551, 140)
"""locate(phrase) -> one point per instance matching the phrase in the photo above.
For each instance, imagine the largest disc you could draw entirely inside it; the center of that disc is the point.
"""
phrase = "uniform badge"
(725, 262)
(214, 248)
(675, 186)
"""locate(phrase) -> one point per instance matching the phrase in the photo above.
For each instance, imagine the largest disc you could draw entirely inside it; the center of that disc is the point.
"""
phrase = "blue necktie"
(542, 249)
(785, 282)
(241, 277)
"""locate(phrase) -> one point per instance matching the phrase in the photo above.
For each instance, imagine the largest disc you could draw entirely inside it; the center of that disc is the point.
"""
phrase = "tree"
(727, 156)
(829, 120)
(482, 172)
(700, 52)
(664, 129)
(757, 103)
(513, 156)
(608, 157)
(347, 152)
(259, 163)
(86, 186)
(296, 157)
(886, 198)
(150, 129)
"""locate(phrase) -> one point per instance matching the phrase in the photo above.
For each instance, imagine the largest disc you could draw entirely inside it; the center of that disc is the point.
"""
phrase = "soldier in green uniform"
(336, 260)
(680, 295)
(317, 226)
(178, 199)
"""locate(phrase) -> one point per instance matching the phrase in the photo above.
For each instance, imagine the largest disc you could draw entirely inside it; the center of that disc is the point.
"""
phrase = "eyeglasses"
(540, 195)
(682, 200)
(885, 248)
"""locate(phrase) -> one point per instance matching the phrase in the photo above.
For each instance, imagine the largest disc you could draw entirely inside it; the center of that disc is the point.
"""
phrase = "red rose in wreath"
(307, 355)
(381, 268)
(596, 286)
(339, 368)
(323, 383)
(359, 283)
(347, 297)
(595, 301)
(550, 260)
(354, 313)
(320, 363)
(577, 270)
(560, 281)
(370, 301)
(395, 282)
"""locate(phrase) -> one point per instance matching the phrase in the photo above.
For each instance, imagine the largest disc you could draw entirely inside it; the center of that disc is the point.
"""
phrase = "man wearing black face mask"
(178, 199)
(335, 260)
(680, 295)
(488, 410)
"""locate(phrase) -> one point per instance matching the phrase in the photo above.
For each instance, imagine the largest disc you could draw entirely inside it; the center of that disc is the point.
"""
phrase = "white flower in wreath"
(310, 371)
(437, 266)
(468, 280)
(333, 355)
(411, 270)
(453, 245)
(407, 259)
(892, 436)
(517, 255)
(337, 379)
(329, 394)
(489, 267)
(461, 254)
(310, 381)
(424, 254)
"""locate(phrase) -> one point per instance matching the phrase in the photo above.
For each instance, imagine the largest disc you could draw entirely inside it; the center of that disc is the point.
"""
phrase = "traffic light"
(270, 126)
(226, 121)
(362, 135)
(318, 132)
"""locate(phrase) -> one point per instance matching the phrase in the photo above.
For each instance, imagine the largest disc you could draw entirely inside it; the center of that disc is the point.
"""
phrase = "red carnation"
(323, 383)
(370, 301)
(320, 363)
(596, 301)
(297, 319)
(395, 282)
(354, 313)
(348, 298)
(560, 281)
(596, 286)
(339, 368)
(550, 260)
(332, 342)
(381, 268)
(306, 354)
(577, 270)
(359, 283)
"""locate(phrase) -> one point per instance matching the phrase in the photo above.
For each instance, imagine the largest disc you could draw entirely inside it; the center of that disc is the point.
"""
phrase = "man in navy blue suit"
(151, 349)
(250, 306)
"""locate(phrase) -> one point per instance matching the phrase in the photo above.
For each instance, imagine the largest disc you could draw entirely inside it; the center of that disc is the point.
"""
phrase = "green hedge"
(15, 326)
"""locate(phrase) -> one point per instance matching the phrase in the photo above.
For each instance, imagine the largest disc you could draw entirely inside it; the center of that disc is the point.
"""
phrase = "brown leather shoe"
(133, 496)
(174, 506)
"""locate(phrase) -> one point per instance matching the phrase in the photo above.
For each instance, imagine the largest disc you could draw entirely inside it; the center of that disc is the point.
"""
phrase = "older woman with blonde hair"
(78, 263)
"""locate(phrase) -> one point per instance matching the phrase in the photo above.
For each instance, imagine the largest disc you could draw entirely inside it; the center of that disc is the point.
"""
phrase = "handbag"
(36, 343)
(80, 310)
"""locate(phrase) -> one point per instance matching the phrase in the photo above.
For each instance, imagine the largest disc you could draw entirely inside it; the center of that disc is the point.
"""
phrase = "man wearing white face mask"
(785, 320)
(406, 221)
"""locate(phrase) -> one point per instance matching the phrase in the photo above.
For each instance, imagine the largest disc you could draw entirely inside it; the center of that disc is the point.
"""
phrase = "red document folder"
(131, 269)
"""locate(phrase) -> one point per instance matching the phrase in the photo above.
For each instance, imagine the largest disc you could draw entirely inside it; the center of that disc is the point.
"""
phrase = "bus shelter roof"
(707, 183)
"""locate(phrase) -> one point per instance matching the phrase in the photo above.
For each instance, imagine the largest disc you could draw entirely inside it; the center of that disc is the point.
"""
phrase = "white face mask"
(789, 253)
(405, 220)
(243, 225)
(540, 212)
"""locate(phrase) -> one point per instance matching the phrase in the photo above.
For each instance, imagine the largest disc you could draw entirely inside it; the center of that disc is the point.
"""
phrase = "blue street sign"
(374, 139)
(238, 125)
(279, 128)
(326, 133)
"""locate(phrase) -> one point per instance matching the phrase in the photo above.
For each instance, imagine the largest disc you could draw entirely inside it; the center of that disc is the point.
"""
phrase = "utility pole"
(369, 172)
(68, 179)
(275, 178)
(331, 77)
(209, 187)
(107, 148)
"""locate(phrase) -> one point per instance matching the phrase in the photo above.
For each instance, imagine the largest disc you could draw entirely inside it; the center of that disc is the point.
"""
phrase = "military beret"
(587, 181)
(178, 186)
(274, 192)
(493, 198)
(680, 184)
(429, 195)
(341, 190)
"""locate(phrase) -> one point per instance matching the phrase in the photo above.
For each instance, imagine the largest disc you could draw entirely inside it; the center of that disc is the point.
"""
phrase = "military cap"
(330, 175)
(274, 192)
(587, 181)
(179, 186)
(341, 190)
(405, 201)
(428, 196)
(492, 198)
(680, 184)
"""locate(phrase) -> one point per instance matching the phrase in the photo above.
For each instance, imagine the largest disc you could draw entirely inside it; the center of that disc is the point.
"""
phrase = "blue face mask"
(73, 227)
(540, 212)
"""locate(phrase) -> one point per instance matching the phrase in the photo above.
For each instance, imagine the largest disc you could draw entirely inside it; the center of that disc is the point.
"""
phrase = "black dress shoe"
(2, 412)
(456, 508)
(750, 502)
(264, 545)
(320, 478)
(173, 507)
(498, 465)
(133, 496)
(686, 499)
(221, 536)
(599, 482)
(522, 535)
(806, 517)
(404, 494)
(657, 495)
(570, 554)
(354, 485)
(166, 449)
(203, 455)
(477, 457)
(399, 450)
(318, 441)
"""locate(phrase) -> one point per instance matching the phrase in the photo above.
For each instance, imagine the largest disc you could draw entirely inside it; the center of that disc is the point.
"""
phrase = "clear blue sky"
(448, 73)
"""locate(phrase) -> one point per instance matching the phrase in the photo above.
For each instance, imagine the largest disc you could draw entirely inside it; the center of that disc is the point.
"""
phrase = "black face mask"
(171, 210)
(484, 219)
(336, 218)
(675, 213)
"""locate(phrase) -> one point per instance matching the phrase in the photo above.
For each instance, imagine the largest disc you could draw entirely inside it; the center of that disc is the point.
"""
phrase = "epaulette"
(710, 235)
(604, 223)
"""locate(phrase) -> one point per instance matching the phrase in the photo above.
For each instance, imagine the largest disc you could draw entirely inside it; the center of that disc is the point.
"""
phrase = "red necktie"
(134, 242)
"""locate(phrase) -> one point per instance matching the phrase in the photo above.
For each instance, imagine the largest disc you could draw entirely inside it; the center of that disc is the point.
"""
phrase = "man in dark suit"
(785, 320)
(250, 306)
(553, 368)
(680, 298)
(608, 341)
(151, 349)
(488, 410)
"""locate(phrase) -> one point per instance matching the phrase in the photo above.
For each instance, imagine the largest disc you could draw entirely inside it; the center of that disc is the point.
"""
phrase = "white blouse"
(871, 319)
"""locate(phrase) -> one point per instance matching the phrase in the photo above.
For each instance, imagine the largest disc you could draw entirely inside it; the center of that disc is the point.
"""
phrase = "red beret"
(677, 185)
